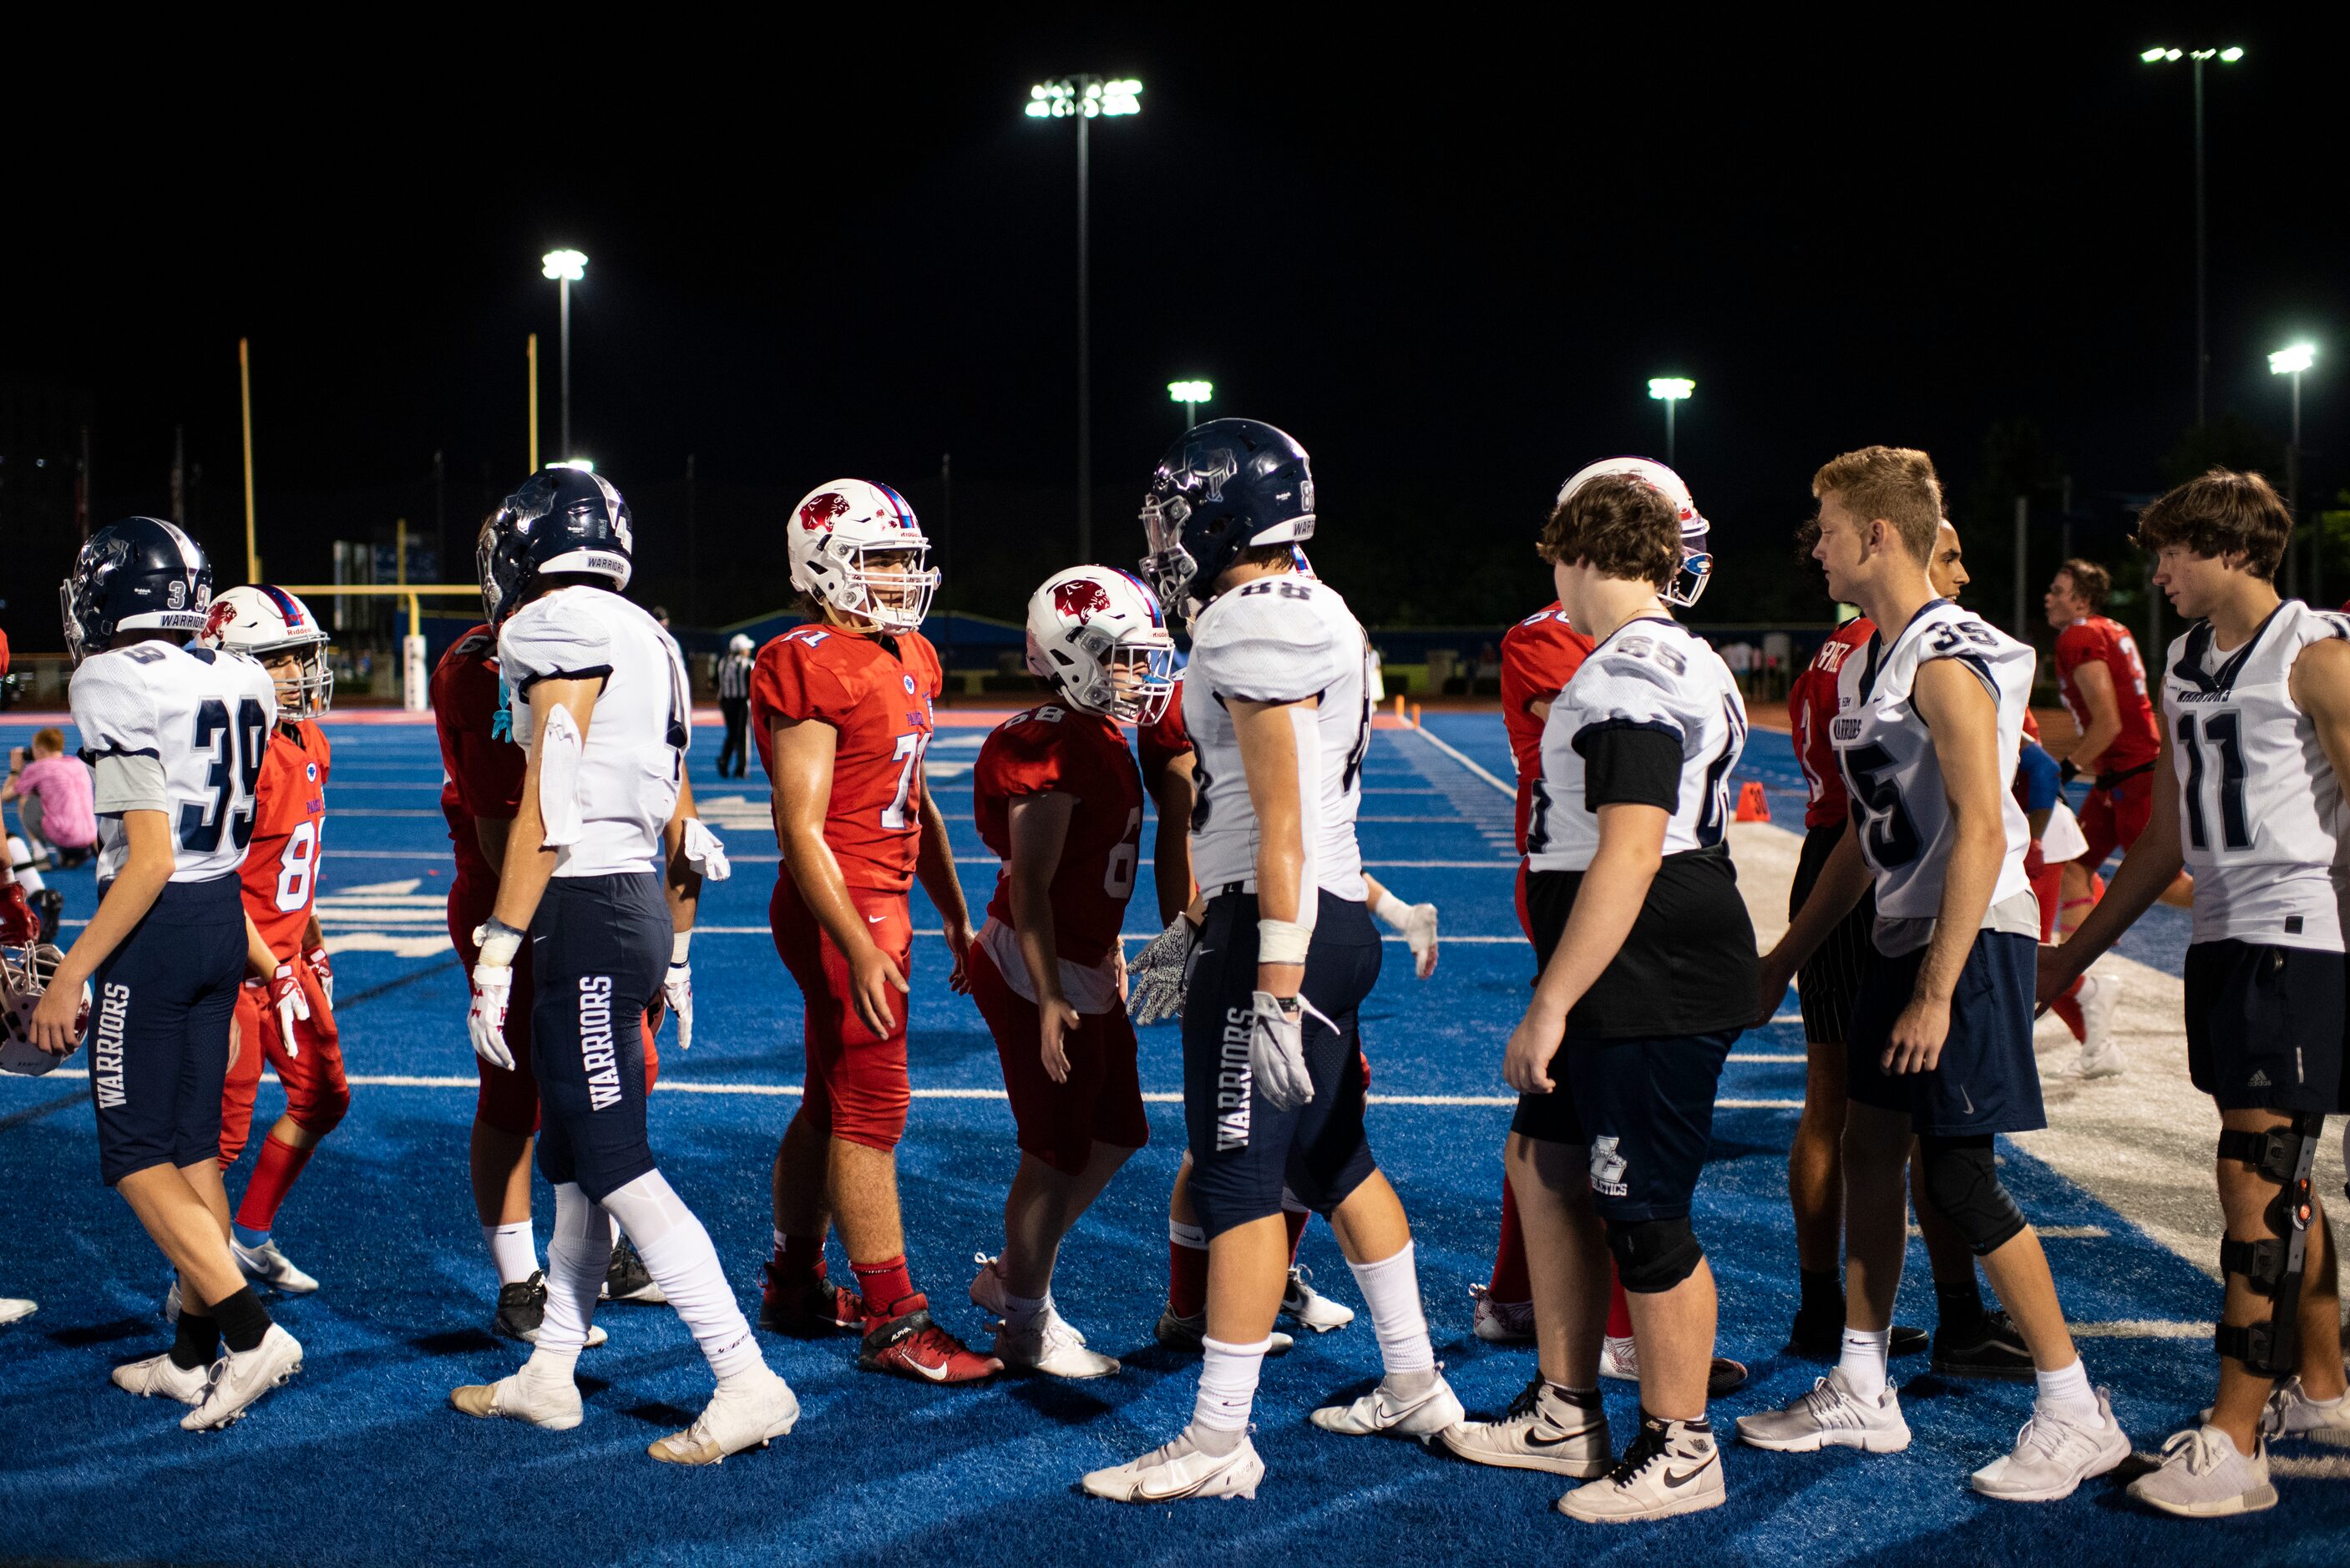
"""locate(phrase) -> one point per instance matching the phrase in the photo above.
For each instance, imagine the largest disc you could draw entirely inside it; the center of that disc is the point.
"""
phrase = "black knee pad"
(1653, 1255)
(1963, 1182)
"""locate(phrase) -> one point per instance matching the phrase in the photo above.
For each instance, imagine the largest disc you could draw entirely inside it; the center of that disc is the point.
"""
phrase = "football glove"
(285, 998)
(1277, 1049)
(1420, 935)
(486, 1019)
(1158, 974)
(677, 990)
(317, 959)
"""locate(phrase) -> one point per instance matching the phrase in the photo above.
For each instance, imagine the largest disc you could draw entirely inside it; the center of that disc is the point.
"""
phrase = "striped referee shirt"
(734, 675)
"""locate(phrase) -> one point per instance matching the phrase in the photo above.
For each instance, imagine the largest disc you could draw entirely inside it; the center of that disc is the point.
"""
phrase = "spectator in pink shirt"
(53, 796)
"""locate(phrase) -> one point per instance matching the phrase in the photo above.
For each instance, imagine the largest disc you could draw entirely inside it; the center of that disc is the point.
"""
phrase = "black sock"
(1958, 1306)
(1823, 1293)
(242, 1319)
(198, 1341)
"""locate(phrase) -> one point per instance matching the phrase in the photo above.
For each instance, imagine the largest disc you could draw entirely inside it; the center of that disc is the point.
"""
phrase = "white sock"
(677, 1252)
(1391, 1289)
(1193, 1237)
(1862, 1359)
(1220, 1412)
(514, 1250)
(30, 880)
(2067, 1392)
(779, 1243)
(1019, 1311)
(578, 1254)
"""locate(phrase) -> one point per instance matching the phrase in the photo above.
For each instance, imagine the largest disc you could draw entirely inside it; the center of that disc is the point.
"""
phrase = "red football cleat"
(811, 1307)
(912, 1345)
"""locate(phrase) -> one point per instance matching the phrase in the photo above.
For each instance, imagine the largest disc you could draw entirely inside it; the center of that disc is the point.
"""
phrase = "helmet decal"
(819, 509)
(1210, 467)
(223, 617)
(1080, 597)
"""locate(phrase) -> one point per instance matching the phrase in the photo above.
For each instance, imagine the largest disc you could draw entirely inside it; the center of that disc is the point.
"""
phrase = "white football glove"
(485, 1020)
(317, 959)
(705, 852)
(1277, 1050)
(1420, 935)
(677, 990)
(1156, 976)
(287, 999)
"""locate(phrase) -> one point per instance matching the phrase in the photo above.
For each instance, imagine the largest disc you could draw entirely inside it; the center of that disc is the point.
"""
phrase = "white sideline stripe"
(1775, 1056)
(1510, 790)
(2056, 1233)
(2304, 1468)
(2143, 1328)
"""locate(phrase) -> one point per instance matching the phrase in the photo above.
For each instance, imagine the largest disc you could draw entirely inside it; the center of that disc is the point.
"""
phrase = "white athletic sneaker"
(2203, 1477)
(266, 1265)
(1184, 1334)
(1832, 1416)
(160, 1375)
(1619, 1359)
(745, 1414)
(2101, 1056)
(1542, 1430)
(14, 1307)
(1179, 1470)
(1672, 1466)
(2053, 1455)
(2292, 1416)
(549, 1401)
(1309, 1308)
(1381, 1414)
(1503, 1323)
(244, 1376)
(1049, 1344)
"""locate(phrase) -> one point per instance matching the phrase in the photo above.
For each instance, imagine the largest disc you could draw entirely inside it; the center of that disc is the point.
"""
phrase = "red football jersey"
(1060, 749)
(1161, 744)
(485, 767)
(1811, 707)
(880, 703)
(1539, 655)
(2095, 638)
(281, 860)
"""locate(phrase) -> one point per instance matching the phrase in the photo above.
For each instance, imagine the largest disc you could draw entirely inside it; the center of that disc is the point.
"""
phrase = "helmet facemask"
(889, 585)
(1126, 678)
(1696, 571)
(1169, 568)
(312, 683)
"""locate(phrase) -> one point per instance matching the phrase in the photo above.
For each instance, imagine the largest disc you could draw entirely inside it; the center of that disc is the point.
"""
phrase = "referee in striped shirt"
(735, 702)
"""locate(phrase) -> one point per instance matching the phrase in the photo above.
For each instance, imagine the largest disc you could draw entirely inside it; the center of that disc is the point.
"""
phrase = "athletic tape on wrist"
(677, 946)
(499, 942)
(1392, 909)
(1282, 942)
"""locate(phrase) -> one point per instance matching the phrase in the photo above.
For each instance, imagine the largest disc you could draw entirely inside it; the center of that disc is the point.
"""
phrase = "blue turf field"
(361, 1459)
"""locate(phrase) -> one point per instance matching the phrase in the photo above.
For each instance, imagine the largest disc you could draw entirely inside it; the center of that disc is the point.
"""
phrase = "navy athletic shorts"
(1242, 1150)
(2264, 1026)
(159, 1020)
(1646, 1109)
(599, 950)
(1986, 1080)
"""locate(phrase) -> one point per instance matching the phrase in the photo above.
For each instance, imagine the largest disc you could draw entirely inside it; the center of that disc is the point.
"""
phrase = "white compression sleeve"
(678, 1253)
(578, 1254)
(1285, 941)
(560, 744)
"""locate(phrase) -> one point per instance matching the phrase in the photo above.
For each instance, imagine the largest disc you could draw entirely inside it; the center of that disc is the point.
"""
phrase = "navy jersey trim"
(2190, 669)
(593, 672)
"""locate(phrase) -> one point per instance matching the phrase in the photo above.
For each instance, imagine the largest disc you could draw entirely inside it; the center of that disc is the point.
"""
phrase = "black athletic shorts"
(1830, 979)
(1646, 1109)
(1987, 1079)
(1242, 1150)
(599, 950)
(159, 1020)
(2264, 1026)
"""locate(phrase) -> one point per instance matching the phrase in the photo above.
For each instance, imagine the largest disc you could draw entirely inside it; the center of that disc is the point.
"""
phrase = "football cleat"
(2053, 1454)
(1382, 1414)
(745, 1414)
(1544, 1429)
(1304, 1306)
(160, 1374)
(266, 1265)
(1178, 1472)
(1500, 1322)
(1672, 1466)
(2202, 1476)
(1830, 1416)
(1994, 1351)
(1049, 1344)
(14, 1307)
(809, 1308)
(912, 1345)
(1184, 1335)
(627, 1278)
(244, 1376)
(551, 1402)
(522, 1309)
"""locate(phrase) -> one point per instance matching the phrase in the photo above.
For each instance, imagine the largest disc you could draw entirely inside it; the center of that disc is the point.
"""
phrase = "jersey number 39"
(237, 750)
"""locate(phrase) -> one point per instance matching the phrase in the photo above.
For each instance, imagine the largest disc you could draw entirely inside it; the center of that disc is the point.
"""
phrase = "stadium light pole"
(1084, 98)
(566, 267)
(2292, 361)
(1190, 394)
(2161, 56)
(1668, 390)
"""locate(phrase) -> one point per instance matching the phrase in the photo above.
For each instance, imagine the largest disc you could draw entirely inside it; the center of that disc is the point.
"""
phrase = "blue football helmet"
(1226, 486)
(137, 575)
(562, 519)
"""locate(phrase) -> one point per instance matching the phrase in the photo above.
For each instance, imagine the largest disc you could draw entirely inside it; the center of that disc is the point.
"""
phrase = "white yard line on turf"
(1466, 761)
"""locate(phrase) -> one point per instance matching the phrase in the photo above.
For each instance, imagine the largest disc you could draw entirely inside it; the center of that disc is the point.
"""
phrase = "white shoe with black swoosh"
(1672, 1466)
(1382, 1413)
(1546, 1429)
(1181, 1471)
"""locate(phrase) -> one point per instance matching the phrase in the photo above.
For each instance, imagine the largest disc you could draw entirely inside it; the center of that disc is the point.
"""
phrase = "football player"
(177, 736)
(1645, 948)
(1058, 797)
(1927, 735)
(1277, 700)
(605, 720)
(840, 710)
(2256, 739)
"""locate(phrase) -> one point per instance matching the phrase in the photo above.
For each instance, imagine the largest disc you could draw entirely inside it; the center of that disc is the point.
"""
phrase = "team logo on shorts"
(106, 1051)
(597, 1053)
(1234, 1081)
(1607, 1167)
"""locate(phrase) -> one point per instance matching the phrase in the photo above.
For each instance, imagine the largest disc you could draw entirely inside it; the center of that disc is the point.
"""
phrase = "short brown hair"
(1895, 482)
(1622, 527)
(2220, 511)
(49, 739)
(2091, 583)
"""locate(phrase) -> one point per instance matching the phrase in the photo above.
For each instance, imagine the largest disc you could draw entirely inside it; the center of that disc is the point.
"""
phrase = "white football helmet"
(1100, 638)
(1697, 561)
(24, 973)
(858, 547)
(263, 622)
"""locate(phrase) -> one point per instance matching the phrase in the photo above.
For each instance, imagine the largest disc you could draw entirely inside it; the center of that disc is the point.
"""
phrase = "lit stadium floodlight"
(1087, 96)
(585, 465)
(2165, 54)
(566, 266)
(1190, 394)
(1670, 389)
(2292, 361)
(2231, 55)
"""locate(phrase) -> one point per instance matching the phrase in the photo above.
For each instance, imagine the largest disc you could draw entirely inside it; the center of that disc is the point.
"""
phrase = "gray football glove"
(1277, 1049)
(1156, 976)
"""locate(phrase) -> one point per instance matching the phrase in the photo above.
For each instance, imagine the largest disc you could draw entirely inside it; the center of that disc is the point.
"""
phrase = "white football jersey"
(2260, 813)
(1886, 756)
(634, 758)
(1280, 638)
(204, 715)
(1649, 674)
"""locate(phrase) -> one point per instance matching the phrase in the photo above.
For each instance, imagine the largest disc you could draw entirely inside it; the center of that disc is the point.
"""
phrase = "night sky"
(1447, 258)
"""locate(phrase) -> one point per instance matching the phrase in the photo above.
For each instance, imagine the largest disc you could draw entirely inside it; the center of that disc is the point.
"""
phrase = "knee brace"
(1963, 1182)
(1653, 1255)
(2272, 1266)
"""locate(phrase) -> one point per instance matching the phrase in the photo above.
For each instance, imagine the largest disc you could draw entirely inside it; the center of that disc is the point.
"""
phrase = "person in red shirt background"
(841, 714)
(2103, 682)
